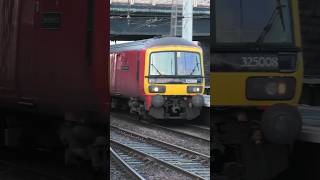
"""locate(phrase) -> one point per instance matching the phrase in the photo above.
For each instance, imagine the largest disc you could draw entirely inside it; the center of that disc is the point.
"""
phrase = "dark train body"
(53, 62)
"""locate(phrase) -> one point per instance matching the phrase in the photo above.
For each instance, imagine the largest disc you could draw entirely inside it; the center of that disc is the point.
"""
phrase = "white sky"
(120, 42)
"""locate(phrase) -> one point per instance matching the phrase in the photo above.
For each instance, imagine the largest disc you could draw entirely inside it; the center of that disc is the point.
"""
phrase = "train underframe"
(164, 107)
(253, 144)
(173, 107)
(81, 141)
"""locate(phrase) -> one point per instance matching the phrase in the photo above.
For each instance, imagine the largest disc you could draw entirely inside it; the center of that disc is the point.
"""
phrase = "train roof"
(149, 43)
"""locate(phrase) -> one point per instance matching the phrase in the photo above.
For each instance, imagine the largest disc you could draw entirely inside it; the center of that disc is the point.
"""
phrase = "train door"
(38, 49)
(27, 52)
(117, 79)
(9, 19)
(114, 71)
(137, 73)
(113, 59)
(63, 51)
(50, 34)
(130, 71)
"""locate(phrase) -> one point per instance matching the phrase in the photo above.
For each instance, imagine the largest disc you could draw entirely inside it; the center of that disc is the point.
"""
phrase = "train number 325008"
(268, 62)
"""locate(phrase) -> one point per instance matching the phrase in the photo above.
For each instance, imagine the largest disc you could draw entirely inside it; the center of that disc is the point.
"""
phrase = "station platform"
(311, 124)
(305, 158)
(311, 91)
(311, 80)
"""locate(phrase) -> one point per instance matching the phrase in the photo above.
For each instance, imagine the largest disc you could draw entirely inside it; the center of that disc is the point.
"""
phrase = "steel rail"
(169, 146)
(164, 163)
(188, 134)
(203, 128)
(133, 173)
(193, 162)
(172, 129)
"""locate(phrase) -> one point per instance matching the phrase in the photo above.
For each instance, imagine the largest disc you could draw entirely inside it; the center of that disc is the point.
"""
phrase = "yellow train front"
(159, 77)
(257, 71)
(256, 82)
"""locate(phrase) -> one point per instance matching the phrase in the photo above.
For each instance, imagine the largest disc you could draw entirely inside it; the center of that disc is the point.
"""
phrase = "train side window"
(124, 63)
(50, 20)
(125, 68)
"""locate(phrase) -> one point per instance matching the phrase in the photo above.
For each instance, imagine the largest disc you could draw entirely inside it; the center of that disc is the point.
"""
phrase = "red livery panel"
(53, 55)
(126, 79)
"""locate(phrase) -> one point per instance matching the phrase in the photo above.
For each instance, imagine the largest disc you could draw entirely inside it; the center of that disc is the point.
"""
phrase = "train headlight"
(271, 88)
(282, 88)
(157, 89)
(194, 89)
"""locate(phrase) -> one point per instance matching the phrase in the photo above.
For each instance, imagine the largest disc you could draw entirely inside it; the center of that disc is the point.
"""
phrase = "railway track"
(184, 161)
(127, 172)
(203, 128)
(310, 115)
(189, 130)
(144, 166)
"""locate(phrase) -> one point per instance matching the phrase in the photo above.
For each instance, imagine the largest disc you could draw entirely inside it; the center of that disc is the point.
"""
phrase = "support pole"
(187, 21)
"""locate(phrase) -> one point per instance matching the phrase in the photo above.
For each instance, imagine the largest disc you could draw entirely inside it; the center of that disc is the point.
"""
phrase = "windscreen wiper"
(196, 66)
(281, 14)
(277, 11)
(156, 69)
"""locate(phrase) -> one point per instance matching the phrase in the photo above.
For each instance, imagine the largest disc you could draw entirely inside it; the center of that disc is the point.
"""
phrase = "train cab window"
(188, 64)
(162, 63)
(251, 21)
(175, 64)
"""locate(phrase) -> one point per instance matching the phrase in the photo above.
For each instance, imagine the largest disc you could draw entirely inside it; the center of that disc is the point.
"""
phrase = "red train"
(53, 61)
(159, 77)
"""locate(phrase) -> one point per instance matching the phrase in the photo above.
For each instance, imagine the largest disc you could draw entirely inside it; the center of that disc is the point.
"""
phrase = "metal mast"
(176, 18)
(187, 21)
(182, 19)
